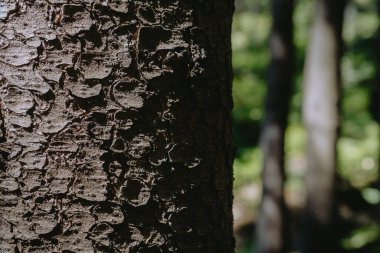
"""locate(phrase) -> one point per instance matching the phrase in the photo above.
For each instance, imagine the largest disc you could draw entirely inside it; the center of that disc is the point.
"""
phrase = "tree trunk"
(271, 227)
(375, 93)
(375, 101)
(115, 126)
(321, 117)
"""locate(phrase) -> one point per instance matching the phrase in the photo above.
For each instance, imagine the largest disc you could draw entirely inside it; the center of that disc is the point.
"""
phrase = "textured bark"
(321, 117)
(115, 129)
(271, 227)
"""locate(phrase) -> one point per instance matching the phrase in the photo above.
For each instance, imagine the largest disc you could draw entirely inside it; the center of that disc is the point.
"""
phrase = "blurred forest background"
(358, 197)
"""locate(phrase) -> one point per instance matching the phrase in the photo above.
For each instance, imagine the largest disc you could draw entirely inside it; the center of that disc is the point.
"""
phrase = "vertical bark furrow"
(114, 114)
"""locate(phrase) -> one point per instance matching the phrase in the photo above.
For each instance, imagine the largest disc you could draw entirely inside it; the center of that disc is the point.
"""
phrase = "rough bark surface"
(114, 127)
(321, 117)
(271, 228)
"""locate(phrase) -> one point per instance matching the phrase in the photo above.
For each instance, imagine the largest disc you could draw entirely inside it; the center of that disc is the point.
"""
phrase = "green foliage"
(362, 236)
(371, 195)
(247, 166)
(249, 75)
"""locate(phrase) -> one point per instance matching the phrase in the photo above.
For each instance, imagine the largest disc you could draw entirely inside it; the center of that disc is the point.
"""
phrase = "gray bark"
(321, 117)
(115, 127)
(271, 225)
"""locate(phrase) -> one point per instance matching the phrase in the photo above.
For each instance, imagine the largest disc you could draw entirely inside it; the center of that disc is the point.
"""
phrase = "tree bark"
(321, 117)
(115, 126)
(271, 227)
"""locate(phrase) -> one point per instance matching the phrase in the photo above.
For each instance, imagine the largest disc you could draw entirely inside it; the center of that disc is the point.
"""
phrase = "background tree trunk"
(271, 227)
(321, 116)
(115, 126)
(375, 94)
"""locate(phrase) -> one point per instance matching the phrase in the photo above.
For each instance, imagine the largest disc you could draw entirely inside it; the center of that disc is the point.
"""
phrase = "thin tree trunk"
(115, 126)
(375, 94)
(375, 108)
(271, 227)
(321, 116)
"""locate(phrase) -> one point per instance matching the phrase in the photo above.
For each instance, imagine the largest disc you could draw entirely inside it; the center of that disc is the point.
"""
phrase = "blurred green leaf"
(361, 237)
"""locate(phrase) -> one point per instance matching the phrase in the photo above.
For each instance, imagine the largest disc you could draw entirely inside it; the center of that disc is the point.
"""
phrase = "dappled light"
(357, 183)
